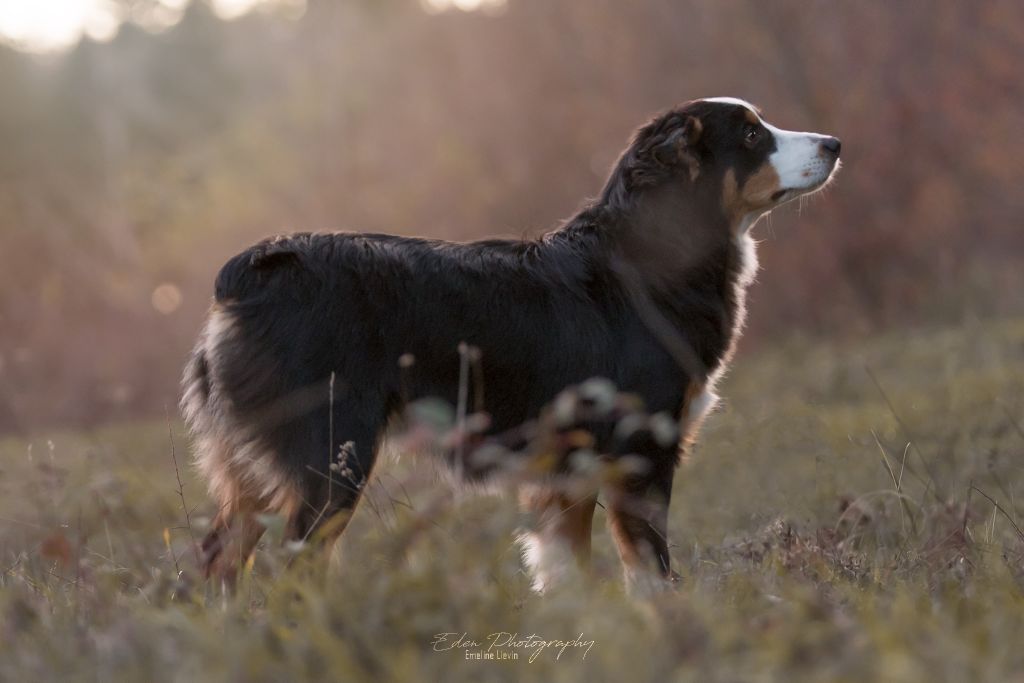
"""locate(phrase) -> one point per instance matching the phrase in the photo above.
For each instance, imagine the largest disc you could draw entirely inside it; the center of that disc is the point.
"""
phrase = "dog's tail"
(249, 273)
(195, 385)
(241, 281)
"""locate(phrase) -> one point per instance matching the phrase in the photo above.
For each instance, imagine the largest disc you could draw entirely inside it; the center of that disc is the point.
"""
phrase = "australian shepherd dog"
(315, 342)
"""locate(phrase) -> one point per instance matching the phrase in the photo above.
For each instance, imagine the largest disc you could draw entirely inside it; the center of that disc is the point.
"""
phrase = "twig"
(170, 549)
(937, 492)
(864, 497)
(22, 522)
(475, 356)
(967, 507)
(897, 482)
(1000, 508)
(408, 501)
(78, 557)
(330, 438)
(461, 407)
(350, 510)
(181, 491)
(14, 566)
(119, 567)
(73, 584)
(1013, 421)
(357, 489)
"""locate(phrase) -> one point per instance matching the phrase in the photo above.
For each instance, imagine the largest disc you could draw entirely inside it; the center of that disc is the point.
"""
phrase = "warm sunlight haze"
(511, 340)
(53, 25)
(488, 6)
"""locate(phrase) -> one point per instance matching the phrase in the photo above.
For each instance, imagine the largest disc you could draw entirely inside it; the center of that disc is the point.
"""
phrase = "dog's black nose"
(831, 145)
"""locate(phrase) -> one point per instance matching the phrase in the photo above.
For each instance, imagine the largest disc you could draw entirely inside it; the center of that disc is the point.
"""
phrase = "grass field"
(850, 514)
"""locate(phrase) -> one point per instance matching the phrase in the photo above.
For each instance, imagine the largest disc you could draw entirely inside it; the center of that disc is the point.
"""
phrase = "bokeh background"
(174, 133)
(852, 511)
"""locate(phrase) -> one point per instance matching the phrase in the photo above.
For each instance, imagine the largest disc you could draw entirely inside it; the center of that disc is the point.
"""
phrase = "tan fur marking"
(232, 538)
(731, 196)
(756, 193)
(625, 541)
(690, 423)
(694, 128)
(760, 186)
(751, 116)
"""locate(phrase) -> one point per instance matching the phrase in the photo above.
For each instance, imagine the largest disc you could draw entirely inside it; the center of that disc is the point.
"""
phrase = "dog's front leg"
(638, 517)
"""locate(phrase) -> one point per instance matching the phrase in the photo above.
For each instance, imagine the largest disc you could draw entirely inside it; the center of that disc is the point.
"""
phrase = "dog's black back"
(544, 315)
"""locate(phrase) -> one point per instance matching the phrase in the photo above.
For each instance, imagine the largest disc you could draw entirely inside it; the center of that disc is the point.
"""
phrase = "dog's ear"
(677, 148)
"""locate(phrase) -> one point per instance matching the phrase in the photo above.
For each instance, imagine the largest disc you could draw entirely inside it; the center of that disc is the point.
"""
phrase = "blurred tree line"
(130, 170)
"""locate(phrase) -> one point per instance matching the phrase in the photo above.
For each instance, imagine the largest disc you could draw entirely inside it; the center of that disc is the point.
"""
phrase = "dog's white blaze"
(732, 100)
(798, 160)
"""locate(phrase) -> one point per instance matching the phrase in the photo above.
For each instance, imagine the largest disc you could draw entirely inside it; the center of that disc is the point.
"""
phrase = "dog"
(315, 342)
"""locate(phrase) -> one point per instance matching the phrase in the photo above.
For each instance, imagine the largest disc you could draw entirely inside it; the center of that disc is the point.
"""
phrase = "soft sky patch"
(50, 25)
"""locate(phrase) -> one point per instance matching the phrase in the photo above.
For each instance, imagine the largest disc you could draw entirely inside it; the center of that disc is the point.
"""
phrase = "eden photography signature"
(507, 646)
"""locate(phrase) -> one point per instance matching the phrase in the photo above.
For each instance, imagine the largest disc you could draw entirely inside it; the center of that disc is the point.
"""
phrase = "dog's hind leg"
(332, 487)
(561, 537)
(231, 540)
(637, 509)
(245, 485)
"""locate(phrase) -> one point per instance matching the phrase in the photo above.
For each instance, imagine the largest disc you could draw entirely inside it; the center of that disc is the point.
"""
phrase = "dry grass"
(851, 514)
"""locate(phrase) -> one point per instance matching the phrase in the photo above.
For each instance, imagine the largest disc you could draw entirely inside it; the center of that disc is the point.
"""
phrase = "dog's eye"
(751, 135)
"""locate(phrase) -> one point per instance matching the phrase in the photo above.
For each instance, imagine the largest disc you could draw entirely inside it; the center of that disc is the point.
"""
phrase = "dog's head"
(724, 144)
